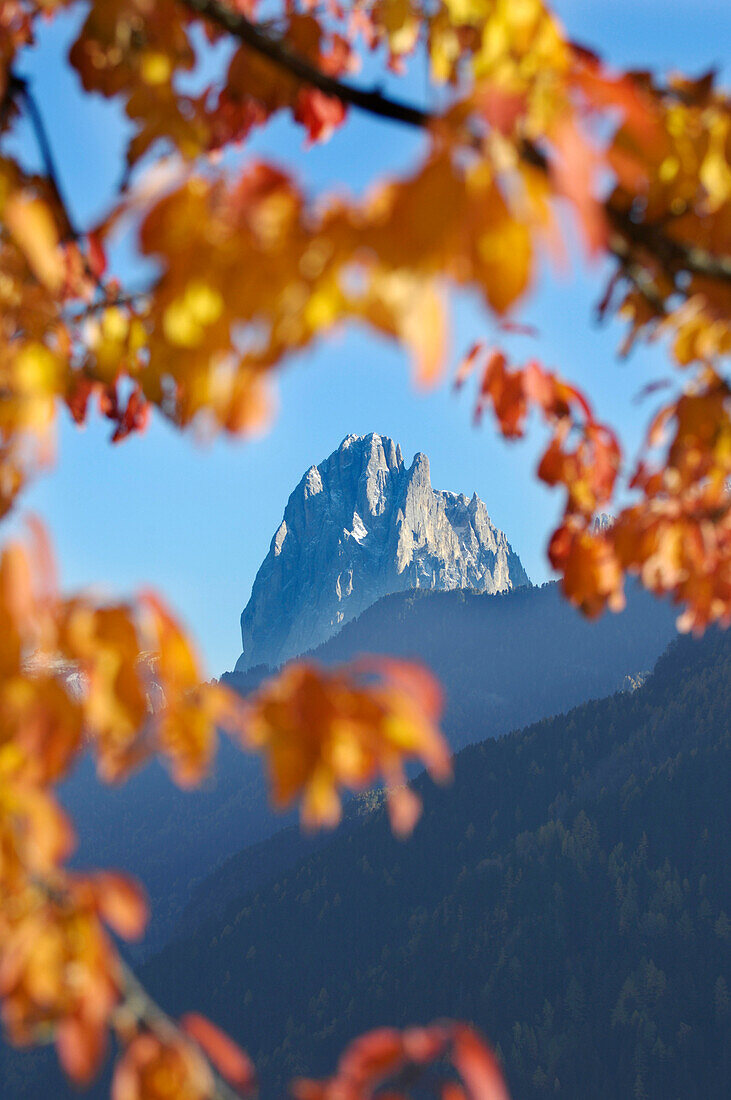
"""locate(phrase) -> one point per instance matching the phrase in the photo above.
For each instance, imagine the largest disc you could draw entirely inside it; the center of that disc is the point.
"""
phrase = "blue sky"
(195, 522)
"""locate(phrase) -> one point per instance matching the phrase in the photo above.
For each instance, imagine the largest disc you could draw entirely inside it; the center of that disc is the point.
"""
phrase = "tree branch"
(130, 299)
(146, 1011)
(49, 163)
(699, 261)
(672, 253)
(277, 51)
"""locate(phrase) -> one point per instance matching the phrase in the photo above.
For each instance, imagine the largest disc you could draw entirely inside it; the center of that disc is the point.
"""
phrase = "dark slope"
(568, 893)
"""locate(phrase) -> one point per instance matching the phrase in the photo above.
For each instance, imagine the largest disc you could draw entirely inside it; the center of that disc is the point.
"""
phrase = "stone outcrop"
(360, 526)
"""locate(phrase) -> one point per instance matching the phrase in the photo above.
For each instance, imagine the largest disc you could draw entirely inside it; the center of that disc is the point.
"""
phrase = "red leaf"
(80, 1048)
(224, 1054)
(502, 109)
(320, 114)
(477, 1066)
(135, 417)
(122, 904)
(78, 396)
(97, 256)
(372, 1056)
(466, 367)
(452, 1091)
(607, 91)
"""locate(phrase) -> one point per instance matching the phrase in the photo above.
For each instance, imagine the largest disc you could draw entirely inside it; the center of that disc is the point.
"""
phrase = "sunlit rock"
(360, 526)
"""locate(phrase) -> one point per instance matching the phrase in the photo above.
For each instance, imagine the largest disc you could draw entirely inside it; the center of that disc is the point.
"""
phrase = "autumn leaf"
(320, 114)
(153, 1069)
(477, 1066)
(320, 729)
(229, 1060)
(372, 1061)
(33, 228)
(121, 904)
(575, 171)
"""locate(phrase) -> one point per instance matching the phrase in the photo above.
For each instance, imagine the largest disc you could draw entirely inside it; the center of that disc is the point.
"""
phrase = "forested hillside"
(503, 661)
(568, 893)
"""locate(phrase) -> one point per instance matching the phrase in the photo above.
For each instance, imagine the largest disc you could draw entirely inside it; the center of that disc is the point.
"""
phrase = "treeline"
(569, 894)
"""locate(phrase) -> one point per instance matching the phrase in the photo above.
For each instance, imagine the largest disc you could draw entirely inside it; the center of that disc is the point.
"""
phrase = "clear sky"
(195, 522)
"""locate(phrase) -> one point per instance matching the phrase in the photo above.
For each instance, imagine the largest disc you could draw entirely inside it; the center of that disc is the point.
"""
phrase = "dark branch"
(278, 52)
(132, 300)
(7, 103)
(674, 255)
(47, 157)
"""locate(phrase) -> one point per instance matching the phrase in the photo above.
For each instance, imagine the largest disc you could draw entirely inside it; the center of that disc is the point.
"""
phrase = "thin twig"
(636, 273)
(132, 299)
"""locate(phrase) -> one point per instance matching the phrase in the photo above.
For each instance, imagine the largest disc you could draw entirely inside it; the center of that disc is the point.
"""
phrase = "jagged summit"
(360, 526)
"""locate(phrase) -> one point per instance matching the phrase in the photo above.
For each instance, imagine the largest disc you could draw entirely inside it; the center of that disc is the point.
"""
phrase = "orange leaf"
(573, 174)
(80, 1046)
(122, 904)
(477, 1066)
(404, 810)
(425, 333)
(33, 228)
(225, 1055)
(425, 1044)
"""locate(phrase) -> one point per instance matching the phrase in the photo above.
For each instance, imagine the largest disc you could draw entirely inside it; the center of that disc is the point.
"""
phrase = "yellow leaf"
(155, 68)
(186, 318)
(33, 229)
(425, 334)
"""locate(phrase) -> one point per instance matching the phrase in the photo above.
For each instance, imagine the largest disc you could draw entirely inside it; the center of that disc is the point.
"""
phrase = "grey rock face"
(360, 526)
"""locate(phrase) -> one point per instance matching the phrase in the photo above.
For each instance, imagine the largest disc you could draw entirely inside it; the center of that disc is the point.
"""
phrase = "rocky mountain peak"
(360, 526)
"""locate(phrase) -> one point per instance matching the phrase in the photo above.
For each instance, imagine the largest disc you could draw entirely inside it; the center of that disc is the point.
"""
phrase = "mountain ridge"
(358, 526)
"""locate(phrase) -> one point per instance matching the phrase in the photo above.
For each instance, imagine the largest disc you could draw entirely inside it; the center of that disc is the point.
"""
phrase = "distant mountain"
(359, 526)
(570, 893)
